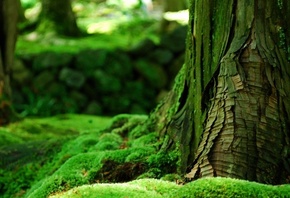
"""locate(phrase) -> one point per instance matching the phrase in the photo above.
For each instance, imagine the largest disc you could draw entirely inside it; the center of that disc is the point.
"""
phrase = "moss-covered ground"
(89, 156)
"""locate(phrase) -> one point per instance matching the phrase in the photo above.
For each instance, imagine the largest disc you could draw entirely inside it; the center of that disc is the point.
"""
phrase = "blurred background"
(100, 57)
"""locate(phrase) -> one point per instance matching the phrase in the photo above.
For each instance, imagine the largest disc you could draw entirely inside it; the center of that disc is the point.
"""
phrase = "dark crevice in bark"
(191, 26)
(183, 97)
(252, 160)
(202, 57)
(232, 27)
(191, 149)
(286, 127)
(210, 40)
(209, 92)
(285, 162)
(2, 34)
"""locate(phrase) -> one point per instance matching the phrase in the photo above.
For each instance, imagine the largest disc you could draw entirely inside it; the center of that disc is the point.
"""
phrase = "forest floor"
(84, 156)
(106, 26)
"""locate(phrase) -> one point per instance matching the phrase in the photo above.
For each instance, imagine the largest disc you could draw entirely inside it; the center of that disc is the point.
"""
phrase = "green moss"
(68, 45)
(81, 144)
(109, 190)
(162, 163)
(145, 140)
(35, 148)
(7, 138)
(161, 187)
(53, 127)
(172, 177)
(162, 159)
(69, 164)
(108, 141)
(208, 187)
(82, 152)
(83, 169)
(226, 187)
(138, 188)
(124, 123)
(140, 154)
(14, 183)
(23, 164)
(282, 38)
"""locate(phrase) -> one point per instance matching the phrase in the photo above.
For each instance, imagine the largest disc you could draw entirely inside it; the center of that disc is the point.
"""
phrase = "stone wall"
(97, 81)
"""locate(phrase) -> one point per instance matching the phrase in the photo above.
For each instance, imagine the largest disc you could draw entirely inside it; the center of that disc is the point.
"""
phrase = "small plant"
(45, 105)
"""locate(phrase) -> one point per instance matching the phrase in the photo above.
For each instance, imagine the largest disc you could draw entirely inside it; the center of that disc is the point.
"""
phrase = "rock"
(137, 109)
(80, 98)
(142, 48)
(134, 90)
(115, 104)
(47, 60)
(20, 74)
(17, 97)
(89, 89)
(93, 108)
(106, 83)
(175, 40)
(161, 56)
(152, 73)
(56, 89)
(43, 80)
(89, 60)
(71, 77)
(119, 65)
(27, 59)
(102, 81)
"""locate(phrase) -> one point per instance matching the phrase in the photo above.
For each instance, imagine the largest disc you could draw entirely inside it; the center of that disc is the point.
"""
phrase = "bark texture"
(231, 115)
(58, 15)
(8, 34)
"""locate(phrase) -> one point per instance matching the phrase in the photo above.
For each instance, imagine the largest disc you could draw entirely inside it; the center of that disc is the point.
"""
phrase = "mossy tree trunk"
(59, 17)
(8, 34)
(229, 111)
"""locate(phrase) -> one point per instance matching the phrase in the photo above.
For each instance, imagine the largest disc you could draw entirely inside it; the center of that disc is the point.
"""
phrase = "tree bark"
(58, 16)
(8, 34)
(229, 111)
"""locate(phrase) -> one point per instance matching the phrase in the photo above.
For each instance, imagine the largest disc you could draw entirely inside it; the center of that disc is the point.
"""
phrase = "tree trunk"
(229, 110)
(8, 34)
(59, 17)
